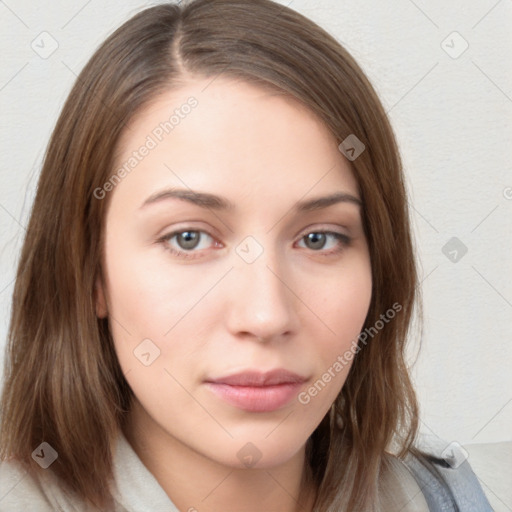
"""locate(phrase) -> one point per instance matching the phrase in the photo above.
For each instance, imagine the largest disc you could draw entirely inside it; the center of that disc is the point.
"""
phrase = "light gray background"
(452, 115)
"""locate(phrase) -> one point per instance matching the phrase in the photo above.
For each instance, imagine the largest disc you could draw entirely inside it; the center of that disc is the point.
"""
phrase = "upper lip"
(258, 378)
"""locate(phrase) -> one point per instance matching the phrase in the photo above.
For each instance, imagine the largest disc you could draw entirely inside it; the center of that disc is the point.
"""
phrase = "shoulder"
(19, 489)
(398, 489)
(23, 490)
(447, 479)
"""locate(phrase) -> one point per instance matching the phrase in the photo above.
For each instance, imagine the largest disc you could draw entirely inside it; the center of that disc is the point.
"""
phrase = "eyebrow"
(219, 203)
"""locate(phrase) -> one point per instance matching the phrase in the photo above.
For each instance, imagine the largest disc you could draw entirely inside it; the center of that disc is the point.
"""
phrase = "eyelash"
(192, 254)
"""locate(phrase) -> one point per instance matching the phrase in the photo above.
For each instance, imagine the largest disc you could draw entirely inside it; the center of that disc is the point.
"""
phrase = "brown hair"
(63, 383)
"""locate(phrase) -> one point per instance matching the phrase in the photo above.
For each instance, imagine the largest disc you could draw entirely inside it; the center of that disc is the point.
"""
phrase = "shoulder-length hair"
(63, 383)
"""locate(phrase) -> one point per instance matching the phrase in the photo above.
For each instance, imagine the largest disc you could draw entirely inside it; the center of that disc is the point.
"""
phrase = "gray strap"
(453, 489)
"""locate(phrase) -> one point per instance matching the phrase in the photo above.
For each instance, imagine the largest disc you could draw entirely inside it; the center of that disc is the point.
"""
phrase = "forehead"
(238, 139)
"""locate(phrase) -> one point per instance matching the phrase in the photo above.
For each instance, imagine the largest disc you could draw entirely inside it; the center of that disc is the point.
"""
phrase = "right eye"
(187, 241)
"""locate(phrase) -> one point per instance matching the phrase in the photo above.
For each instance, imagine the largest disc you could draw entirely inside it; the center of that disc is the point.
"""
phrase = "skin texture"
(295, 306)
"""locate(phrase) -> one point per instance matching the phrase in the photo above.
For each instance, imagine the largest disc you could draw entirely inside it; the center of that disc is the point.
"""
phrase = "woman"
(213, 298)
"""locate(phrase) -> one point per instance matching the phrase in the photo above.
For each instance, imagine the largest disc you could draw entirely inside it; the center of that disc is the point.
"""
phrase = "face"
(251, 277)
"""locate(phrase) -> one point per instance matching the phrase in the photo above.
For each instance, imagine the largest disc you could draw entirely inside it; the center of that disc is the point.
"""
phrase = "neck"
(196, 483)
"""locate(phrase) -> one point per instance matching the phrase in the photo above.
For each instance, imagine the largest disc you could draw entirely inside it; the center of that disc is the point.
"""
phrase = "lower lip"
(256, 398)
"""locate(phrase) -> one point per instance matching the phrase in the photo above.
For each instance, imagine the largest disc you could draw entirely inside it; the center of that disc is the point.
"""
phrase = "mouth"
(254, 391)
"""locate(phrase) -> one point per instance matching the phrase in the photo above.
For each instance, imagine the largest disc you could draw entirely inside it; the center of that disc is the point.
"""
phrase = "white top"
(137, 490)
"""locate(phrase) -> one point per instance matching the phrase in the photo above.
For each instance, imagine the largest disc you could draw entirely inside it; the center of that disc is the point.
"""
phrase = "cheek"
(342, 306)
(137, 297)
(342, 301)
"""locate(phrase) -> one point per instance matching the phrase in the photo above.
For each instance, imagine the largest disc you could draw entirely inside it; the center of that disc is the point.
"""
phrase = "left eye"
(316, 240)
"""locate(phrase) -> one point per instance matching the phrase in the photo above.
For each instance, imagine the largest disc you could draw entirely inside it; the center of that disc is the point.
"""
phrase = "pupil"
(315, 240)
(188, 239)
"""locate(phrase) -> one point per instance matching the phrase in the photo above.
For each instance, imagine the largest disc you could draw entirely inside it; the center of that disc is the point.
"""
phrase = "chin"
(259, 452)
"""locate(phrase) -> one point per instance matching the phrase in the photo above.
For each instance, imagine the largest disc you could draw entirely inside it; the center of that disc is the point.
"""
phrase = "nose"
(261, 304)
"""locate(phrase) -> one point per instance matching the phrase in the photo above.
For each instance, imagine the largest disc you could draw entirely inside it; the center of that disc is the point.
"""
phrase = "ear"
(99, 298)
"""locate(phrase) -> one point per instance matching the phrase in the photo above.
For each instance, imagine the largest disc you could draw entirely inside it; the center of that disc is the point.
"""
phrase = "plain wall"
(451, 112)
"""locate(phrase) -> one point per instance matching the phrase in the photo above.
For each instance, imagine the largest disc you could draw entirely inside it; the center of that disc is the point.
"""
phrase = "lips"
(255, 378)
(254, 391)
